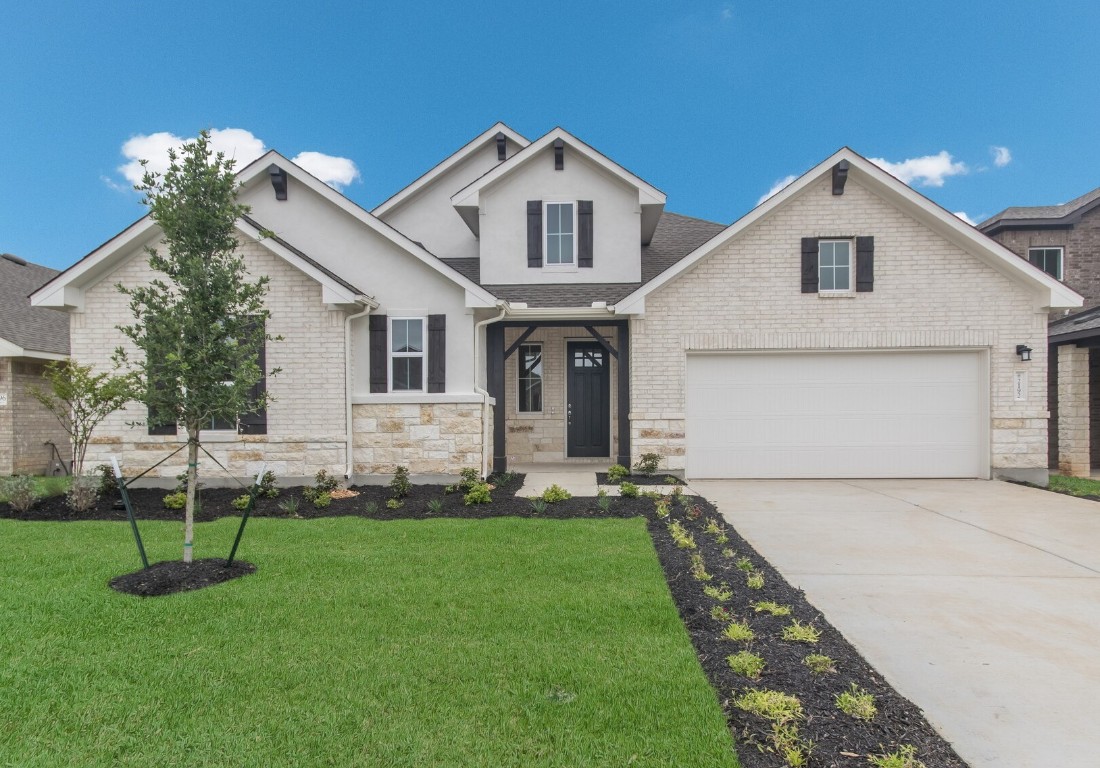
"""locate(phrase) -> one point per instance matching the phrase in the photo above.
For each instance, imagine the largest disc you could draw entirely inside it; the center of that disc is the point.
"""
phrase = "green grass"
(47, 486)
(1077, 486)
(442, 642)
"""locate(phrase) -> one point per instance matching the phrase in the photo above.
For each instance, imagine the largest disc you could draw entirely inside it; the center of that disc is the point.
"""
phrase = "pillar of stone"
(1073, 411)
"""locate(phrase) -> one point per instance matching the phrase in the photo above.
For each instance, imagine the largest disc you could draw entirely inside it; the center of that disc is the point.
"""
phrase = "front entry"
(588, 400)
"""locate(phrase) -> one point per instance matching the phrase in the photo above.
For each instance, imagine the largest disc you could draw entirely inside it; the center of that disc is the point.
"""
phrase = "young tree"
(80, 400)
(201, 326)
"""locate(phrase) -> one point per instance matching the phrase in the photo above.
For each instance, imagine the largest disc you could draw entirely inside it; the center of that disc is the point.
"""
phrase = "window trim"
(519, 379)
(850, 242)
(566, 266)
(423, 354)
(1061, 258)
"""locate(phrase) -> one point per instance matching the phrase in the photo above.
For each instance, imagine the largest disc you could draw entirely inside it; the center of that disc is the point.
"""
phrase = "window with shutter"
(584, 233)
(534, 233)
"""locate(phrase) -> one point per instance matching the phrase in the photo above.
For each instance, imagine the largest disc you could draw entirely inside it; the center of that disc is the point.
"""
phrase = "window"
(834, 265)
(1047, 259)
(407, 354)
(560, 229)
(530, 378)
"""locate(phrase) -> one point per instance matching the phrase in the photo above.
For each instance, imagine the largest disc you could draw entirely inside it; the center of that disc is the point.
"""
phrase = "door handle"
(569, 413)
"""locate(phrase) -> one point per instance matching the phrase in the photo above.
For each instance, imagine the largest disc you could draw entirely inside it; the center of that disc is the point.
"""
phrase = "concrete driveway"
(978, 600)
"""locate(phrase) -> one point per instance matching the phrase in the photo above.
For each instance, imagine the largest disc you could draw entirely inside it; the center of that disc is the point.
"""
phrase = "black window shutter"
(809, 265)
(437, 353)
(865, 264)
(534, 233)
(379, 378)
(584, 233)
(159, 429)
(255, 423)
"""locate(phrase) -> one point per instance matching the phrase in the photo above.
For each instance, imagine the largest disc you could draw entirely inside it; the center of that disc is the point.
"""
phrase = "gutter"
(504, 309)
(368, 304)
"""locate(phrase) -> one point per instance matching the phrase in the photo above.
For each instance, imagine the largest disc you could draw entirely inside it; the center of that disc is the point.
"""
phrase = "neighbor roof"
(1083, 325)
(1034, 216)
(32, 329)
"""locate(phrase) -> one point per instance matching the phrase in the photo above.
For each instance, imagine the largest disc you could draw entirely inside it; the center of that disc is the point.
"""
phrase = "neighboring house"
(526, 302)
(30, 337)
(1064, 241)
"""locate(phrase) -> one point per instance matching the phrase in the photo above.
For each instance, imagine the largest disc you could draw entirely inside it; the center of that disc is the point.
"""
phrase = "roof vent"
(14, 259)
(278, 181)
(559, 154)
(502, 146)
(840, 175)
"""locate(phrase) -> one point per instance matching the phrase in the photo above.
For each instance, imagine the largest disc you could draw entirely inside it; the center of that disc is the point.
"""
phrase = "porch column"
(1073, 411)
(494, 385)
(623, 394)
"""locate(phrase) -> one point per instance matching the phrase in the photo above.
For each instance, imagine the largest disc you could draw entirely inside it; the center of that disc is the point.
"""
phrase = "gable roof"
(24, 329)
(426, 179)
(1037, 216)
(891, 189)
(467, 200)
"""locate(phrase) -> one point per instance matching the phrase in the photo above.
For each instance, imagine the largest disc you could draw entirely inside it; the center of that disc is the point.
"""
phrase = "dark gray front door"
(588, 400)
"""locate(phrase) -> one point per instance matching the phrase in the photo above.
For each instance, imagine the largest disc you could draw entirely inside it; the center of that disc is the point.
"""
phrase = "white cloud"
(1001, 156)
(928, 171)
(237, 144)
(337, 172)
(777, 187)
(727, 13)
(962, 215)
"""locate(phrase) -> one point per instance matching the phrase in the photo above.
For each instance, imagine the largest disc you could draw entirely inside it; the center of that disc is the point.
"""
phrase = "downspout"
(368, 304)
(503, 305)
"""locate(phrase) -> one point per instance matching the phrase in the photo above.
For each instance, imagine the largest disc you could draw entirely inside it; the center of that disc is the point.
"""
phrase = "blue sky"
(712, 102)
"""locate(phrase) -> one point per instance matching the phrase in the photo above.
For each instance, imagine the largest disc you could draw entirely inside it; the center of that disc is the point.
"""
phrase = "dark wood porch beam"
(603, 342)
(623, 393)
(522, 338)
(494, 385)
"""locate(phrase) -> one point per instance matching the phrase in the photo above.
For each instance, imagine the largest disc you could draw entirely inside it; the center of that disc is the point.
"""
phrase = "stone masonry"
(428, 438)
(1073, 411)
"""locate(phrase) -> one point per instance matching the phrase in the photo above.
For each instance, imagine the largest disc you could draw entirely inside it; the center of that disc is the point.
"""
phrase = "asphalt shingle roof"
(1022, 212)
(38, 329)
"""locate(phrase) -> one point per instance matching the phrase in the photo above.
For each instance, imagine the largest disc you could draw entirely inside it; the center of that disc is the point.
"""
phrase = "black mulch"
(838, 740)
(657, 479)
(173, 576)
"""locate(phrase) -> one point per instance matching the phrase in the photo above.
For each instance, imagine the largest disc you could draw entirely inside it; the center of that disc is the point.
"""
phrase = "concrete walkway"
(978, 600)
(578, 479)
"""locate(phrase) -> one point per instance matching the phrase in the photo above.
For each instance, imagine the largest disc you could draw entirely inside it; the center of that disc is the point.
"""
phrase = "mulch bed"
(172, 576)
(642, 480)
(838, 739)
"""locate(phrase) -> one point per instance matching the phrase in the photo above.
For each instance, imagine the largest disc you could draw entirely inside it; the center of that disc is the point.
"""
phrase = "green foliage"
(83, 493)
(469, 478)
(647, 464)
(857, 702)
(20, 491)
(1075, 486)
(175, 500)
(370, 509)
(80, 400)
(555, 493)
(435, 506)
(538, 505)
(819, 663)
(322, 500)
(400, 487)
(663, 508)
(721, 613)
(628, 490)
(394, 503)
(774, 706)
(108, 483)
(755, 580)
(268, 489)
(673, 480)
(680, 535)
(241, 502)
(478, 494)
(775, 609)
(744, 564)
(738, 631)
(323, 483)
(746, 664)
(290, 506)
(603, 503)
(721, 593)
(699, 568)
(728, 553)
(616, 473)
(794, 751)
(797, 632)
(904, 757)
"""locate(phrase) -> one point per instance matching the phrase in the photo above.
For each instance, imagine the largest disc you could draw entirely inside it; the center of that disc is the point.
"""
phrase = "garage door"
(844, 414)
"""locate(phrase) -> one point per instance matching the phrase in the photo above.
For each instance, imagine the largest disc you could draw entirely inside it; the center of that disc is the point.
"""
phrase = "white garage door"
(843, 414)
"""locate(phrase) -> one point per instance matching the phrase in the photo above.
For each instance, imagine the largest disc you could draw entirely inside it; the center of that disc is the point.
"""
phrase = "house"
(30, 337)
(1064, 241)
(533, 301)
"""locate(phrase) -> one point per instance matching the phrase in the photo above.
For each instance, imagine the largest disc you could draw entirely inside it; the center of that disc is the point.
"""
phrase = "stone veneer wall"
(25, 425)
(928, 293)
(428, 438)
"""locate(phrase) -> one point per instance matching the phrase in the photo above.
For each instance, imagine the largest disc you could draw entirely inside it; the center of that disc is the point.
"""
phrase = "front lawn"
(1075, 486)
(429, 642)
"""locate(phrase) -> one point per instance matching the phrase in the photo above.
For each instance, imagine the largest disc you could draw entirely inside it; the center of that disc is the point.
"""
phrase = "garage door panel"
(908, 414)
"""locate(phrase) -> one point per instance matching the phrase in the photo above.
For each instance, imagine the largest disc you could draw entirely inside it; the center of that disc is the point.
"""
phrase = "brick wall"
(25, 425)
(928, 293)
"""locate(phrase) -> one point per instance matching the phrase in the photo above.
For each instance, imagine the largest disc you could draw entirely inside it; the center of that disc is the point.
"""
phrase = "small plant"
(694, 512)
(83, 493)
(775, 609)
(108, 483)
(175, 500)
(290, 506)
(738, 631)
(241, 502)
(795, 752)
(721, 613)
(616, 473)
(400, 487)
(721, 593)
(628, 490)
(904, 757)
(322, 500)
(370, 509)
(755, 580)
(538, 506)
(857, 703)
(774, 706)
(699, 568)
(746, 664)
(744, 564)
(394, 503)
(555, 493)
(324, 483)
(504, 478)
(648, 463)
(679, 534)
(673, 480)
(711, 526)
(603, 503)
(819, 664)
(677, 495)
(797, 632)
(728, 553)
(663, 508)
(268, 489)
(479, 494)
(435, 506)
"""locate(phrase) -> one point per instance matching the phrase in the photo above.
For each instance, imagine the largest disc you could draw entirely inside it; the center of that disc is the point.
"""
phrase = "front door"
(588, 400)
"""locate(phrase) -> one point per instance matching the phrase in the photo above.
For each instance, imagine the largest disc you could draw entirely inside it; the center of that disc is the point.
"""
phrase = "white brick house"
(532, 301)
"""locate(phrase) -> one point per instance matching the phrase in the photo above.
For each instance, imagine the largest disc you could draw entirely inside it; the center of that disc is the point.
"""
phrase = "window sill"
(559, 267)
(836, 294)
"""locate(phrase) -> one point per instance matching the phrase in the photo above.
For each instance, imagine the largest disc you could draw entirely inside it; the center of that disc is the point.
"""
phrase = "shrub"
(323, 483)
(469, 478)
(176, 500)
(797, 632)
(400, 485)
(774, 706)
(738, 631)
(108, 483)
(746, 664)
(819, 664)
(699, 568)
(616, 473)
(394, 503)
(857, 703)
(628, 490)
(435, 506)
(775, 609)
(290, 506)
(673, 480)
(479, 494)
(538, 505)
(555, 493)
(904, 757)
(83, 493)
(720, 593)
(241, 502)
(648, 463)
(268, 489)
(322, 500)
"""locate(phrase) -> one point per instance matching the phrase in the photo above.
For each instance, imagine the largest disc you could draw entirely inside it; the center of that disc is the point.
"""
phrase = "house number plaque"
(1019, 385)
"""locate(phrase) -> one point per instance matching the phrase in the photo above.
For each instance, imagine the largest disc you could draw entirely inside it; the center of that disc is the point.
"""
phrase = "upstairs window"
(1047, 259)
(561, 227)
(834, 266)
(407, 354)
(530, 378)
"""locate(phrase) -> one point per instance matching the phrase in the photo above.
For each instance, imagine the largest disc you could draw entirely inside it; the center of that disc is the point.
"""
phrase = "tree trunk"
(192, 482)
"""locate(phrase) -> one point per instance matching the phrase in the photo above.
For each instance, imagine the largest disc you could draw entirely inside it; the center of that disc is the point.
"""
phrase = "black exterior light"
(1024, 352)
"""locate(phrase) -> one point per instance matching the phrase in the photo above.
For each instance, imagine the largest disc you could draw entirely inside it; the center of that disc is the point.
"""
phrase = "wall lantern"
(1024, 352)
